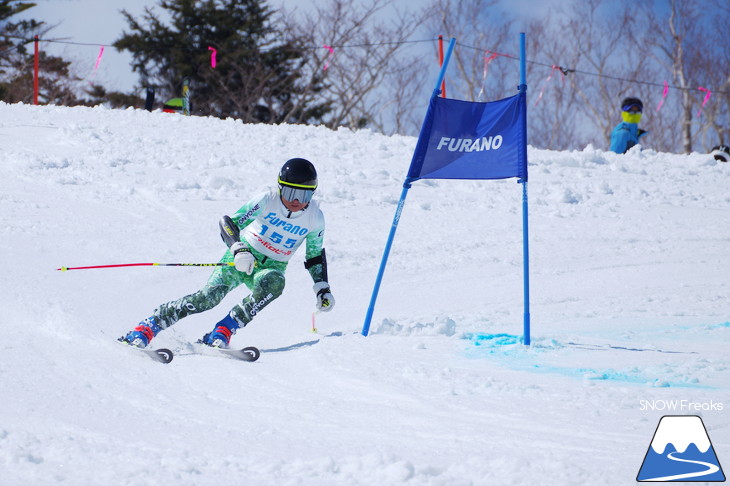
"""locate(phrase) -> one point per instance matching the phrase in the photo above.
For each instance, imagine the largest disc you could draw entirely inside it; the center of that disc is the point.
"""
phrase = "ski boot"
(221, 335)
(141, 335)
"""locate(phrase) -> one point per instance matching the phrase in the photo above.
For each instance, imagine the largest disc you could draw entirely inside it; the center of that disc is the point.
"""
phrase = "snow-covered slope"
(630, 311)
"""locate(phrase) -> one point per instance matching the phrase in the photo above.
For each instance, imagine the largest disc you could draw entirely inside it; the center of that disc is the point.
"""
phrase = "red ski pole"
(219, 264)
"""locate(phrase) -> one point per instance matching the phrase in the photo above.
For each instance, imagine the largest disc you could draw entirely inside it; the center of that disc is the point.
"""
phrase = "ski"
(161, 355)
(249, 353)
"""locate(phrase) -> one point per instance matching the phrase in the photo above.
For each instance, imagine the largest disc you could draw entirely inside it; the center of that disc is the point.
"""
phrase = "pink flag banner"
(664, 96)
(98, 58)
(487, 60)
(547, 80)
(332, 53)
(708, 93)
(96, 64)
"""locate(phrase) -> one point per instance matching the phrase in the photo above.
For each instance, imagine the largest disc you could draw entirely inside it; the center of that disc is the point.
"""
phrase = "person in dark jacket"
(627, 133)
(721, 153)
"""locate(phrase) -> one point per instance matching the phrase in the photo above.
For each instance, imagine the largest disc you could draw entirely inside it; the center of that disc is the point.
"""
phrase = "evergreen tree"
(57, 85)
(256, 78)
(12, 44)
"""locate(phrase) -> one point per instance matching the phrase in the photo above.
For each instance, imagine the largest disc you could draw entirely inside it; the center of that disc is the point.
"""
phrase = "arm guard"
(317, 267)
(229, 231)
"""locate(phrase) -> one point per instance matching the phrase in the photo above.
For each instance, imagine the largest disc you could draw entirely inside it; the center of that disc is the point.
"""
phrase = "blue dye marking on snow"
(590, 374)
(722, 325)
(635, 378)
(493, 339)
(506, 348)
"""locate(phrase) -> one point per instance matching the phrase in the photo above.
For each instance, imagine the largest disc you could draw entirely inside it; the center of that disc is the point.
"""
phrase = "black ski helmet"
(629, 102)
(299, 173)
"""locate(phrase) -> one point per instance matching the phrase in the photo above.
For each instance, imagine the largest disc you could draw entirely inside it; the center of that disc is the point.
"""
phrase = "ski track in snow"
(629, 266)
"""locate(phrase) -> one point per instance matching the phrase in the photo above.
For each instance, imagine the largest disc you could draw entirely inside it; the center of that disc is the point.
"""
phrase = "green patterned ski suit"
(273, 233)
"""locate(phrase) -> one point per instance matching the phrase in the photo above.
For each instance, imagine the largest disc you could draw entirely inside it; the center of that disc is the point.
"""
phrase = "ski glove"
(325, 301)
(243, 259)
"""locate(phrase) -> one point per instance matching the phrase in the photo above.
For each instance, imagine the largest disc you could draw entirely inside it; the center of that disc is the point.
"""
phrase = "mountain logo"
(680, 451)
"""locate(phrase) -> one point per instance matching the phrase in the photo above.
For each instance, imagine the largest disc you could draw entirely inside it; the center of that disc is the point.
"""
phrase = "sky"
(96, 23)
(100, 23)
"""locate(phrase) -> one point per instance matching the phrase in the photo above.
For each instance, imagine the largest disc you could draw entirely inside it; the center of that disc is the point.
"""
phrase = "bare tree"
(585, 57)
(575, 90)
(606, 62)
(552, 102)
(670, 42)
(479, 70)
(718, 112)
(355, 47)
(686, 44)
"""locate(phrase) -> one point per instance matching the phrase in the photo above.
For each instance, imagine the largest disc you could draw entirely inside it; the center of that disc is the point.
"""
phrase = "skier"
(174, 105)
(721, 153)
(272, 226)
(627, 133)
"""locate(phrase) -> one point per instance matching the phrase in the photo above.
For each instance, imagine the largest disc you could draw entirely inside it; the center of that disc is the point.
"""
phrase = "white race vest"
(276, 232)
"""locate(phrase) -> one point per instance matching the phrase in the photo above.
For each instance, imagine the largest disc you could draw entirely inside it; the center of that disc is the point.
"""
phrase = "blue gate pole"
(525, 237)
(386, 252)
(399, 209)
(526, 266)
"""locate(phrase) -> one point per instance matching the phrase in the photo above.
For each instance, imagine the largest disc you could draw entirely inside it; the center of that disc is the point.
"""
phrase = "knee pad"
(268, 282)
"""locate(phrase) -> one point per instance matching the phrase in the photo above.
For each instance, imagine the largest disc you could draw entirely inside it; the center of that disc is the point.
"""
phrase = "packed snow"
(630, 311)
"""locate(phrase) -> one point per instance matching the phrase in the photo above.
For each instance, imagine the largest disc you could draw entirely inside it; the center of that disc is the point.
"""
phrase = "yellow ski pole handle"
(219, 264)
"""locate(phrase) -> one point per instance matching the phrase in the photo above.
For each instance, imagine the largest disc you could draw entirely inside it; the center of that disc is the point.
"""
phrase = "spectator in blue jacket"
(627, 133)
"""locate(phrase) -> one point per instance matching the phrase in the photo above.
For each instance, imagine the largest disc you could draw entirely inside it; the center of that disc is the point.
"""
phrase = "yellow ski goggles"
(296, 192)
(630, 117)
